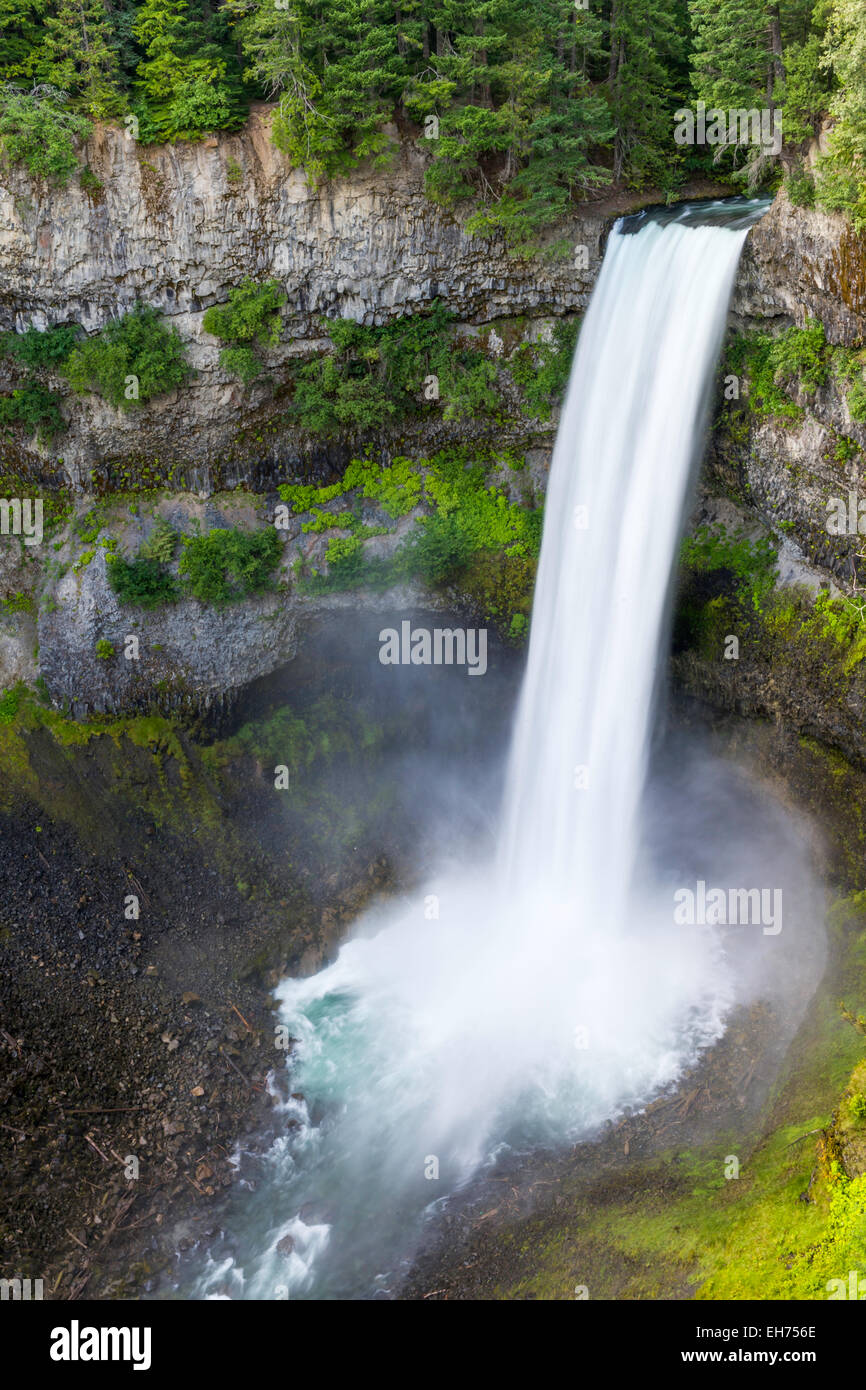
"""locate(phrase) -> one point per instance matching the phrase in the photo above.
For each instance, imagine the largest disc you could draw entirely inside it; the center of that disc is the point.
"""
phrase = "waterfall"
(626, 445)
(552, 988)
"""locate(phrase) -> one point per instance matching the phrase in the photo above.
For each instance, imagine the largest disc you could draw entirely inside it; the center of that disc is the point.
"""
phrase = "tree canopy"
(519, 105)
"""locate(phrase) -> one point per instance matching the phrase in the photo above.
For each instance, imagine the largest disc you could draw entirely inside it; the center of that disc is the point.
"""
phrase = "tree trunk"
(614, 42)
(776, 70)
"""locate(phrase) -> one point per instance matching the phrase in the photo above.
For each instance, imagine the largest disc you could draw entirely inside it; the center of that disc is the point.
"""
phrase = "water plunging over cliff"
(529, 998)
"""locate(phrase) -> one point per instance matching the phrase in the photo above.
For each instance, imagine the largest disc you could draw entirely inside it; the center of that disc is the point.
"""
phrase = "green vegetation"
(226, 565)
(379, 374)
(542, 369)
(842, 171)
(412, 367)
(751, 563)
(728, 584)
(518, 107)
(32, 406)
(78, 54)
(217, 568)
(40, 349)
(105, 650)
(187, 82)
(34, 409)
(38, 130)
(161, 544)
(800, 187)
(134, 358)
(91, 183)
(850, 368)
(250, 320)
(678, 1224)
(141, 582)
(10, 703)
(471, 532)
(19, 602)
(799, 359)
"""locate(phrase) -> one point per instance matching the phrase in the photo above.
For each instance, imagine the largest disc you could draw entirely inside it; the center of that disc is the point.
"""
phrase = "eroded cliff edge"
(176, 226)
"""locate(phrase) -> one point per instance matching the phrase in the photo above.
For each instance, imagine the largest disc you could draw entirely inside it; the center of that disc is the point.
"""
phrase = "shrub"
(470, 387)
(39, 348)
(251, 316)
(137, 345)
(849, 370)
(37, 130)
(800, 188)
(104, 650)
(242, 362)
(141, 582)
(226, 565)
(10, 702)
(799, 356)
(751, 563)
(329, 398)
(841, 189)
(34, 409)
(91, 183)
(160, 544)
(374, 374)
(436, 548)
(345, 557)
(542, 370)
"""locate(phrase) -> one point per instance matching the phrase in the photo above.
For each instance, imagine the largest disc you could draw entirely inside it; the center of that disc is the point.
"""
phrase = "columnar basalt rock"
(177, 226)
(801, 262)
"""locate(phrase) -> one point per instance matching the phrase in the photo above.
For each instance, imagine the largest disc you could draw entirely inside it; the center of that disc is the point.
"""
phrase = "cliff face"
(800, 672)
(799, 264)
(177, 226)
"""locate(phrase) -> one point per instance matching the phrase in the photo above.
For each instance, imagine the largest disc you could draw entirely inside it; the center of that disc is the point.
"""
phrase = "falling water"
(552, 989)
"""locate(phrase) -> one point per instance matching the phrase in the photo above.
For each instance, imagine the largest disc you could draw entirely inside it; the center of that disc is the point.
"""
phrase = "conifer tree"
(183, 81)
(734, 63)
(338, 73)
(78, 55)
(842, 174)
(19, 37)
(646, 46)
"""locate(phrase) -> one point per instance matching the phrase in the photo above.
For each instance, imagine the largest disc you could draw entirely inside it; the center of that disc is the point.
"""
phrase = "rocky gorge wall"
(773, 474)
(798, 264)
(177, 226)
